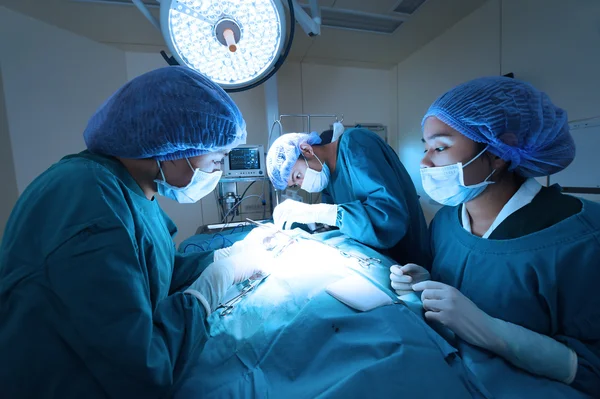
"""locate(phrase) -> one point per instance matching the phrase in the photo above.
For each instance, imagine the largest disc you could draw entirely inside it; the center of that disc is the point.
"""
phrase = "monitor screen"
(244, 159)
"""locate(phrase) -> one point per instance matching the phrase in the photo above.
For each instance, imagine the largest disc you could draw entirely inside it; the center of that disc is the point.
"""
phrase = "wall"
(562, 58)
(555, 45)
(468, 50)
(52, 83)
(7, 167)
(551, 43)
(361, 95)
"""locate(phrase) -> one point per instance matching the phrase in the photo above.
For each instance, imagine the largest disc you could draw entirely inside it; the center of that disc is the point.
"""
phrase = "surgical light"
(236, 43)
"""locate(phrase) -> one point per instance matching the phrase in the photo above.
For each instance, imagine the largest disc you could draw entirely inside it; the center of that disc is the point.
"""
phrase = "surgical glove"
(258, 238)
(537, 353)
(448, 306)
(404, 277)
(217, 278)
(526, 349)
(223, 253)
(249, 263)
(290, 211)
(212, 285)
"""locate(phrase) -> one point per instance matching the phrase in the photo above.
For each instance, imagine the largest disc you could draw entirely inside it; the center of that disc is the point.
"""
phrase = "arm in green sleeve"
(188, 267)
(133, 337)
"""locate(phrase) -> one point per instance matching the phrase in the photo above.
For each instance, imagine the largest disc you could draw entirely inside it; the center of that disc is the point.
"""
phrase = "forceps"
(253, 282)
(365, 262)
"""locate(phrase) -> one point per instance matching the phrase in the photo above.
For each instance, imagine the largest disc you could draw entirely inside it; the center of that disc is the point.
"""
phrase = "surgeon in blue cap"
(94, 300)
(515, 265)
(374, 201)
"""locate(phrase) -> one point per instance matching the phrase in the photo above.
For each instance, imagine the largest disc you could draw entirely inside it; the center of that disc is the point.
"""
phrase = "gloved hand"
(536, 353)
(258, 238)
(216, 279)
(448, 306)
(224, 252)
(290, 211)
(403, 277)
(250, 262)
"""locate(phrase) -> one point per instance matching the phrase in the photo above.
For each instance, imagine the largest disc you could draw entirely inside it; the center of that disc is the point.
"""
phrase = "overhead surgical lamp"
(238, 44)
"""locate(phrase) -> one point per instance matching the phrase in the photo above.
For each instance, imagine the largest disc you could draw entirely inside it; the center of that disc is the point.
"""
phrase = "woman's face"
(179, 174)
(446, 146)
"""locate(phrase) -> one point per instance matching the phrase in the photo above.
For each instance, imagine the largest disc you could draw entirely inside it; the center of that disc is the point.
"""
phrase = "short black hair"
(326, 136)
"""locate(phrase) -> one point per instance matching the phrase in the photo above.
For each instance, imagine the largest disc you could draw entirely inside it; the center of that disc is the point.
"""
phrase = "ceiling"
(124, 27)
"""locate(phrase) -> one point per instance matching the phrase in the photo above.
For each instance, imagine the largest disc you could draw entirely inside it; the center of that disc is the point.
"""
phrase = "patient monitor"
(245, 161)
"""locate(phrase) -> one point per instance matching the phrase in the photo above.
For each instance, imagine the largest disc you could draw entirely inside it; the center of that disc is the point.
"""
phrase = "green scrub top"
(91, 301)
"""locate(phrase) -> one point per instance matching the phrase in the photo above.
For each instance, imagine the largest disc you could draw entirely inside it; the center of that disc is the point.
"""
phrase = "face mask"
(446, 184)
(202, 183)
(315, 182)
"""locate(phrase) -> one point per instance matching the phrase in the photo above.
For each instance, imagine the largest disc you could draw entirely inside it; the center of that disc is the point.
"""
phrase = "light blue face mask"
(201, 184)
(446, 184)
(315, 182)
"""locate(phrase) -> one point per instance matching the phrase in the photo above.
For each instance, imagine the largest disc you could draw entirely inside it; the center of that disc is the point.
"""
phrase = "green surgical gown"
(91, 301)
(540, 270)
(378, 202)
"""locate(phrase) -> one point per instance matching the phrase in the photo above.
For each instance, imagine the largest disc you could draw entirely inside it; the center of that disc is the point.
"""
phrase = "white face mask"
(446, 184)
(315, 182)
(201, 184)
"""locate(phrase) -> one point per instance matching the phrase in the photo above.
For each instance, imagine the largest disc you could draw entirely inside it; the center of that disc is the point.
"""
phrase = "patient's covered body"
(289, 338)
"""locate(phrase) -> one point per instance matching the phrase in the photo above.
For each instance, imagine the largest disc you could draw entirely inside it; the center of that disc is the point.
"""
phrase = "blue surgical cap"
(518, 123)
(169, 113)
(284, 153)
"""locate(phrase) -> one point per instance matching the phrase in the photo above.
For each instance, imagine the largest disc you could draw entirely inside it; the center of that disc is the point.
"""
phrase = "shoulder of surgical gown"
(379, 202)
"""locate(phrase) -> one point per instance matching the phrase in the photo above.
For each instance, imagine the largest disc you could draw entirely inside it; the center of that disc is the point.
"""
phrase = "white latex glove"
(536, 353)
(258, 238)
(404, 277)
(448, 306)
(249, 263)
(290, 211)
(217, 278)
(224, 252)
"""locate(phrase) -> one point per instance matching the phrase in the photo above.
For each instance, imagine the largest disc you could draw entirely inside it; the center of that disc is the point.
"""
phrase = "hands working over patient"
(235, 264)
(536, 353)
(404, 277)
(290, 212)
(259, 238)
(442, 303)
(231, 266)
